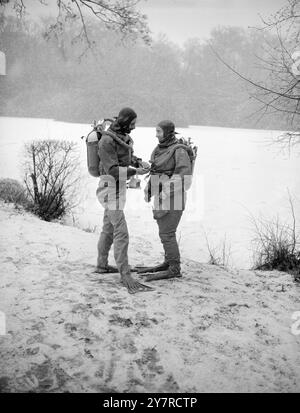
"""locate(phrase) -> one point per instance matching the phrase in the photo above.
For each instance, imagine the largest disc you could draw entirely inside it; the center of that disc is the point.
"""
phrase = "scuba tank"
(92, 140)
(92, 153)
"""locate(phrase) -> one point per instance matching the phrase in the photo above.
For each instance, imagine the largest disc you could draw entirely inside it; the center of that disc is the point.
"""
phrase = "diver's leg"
(167, 225)
(121, 242)
(104, 244)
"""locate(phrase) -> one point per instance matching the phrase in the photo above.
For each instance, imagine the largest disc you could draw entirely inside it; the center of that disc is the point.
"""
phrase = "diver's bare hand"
(144, 165)
(132, 285)
(142, 171)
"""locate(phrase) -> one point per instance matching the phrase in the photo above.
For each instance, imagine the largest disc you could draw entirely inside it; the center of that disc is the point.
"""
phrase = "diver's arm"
(182, 176)
(109, 159)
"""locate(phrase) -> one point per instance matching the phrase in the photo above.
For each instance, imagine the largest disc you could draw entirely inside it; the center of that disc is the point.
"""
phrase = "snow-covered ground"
(69, 330)
(237, 174)
(62, 328)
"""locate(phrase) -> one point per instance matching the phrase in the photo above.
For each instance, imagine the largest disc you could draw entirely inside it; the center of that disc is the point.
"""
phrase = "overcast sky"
(183, 19)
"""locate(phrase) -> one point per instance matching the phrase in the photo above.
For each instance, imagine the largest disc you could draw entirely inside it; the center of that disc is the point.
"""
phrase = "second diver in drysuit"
(170, 177)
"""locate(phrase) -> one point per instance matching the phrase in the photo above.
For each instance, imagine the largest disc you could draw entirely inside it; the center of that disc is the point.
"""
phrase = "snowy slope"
(71, 330)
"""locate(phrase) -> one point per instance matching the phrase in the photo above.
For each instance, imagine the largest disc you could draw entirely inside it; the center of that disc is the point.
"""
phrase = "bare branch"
(118, 15)
(251, 81)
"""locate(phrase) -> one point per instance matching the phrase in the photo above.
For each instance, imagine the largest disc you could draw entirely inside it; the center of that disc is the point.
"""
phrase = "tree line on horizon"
(53, 77)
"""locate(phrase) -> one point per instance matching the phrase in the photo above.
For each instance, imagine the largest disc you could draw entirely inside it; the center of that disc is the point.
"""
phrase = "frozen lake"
(237, 173)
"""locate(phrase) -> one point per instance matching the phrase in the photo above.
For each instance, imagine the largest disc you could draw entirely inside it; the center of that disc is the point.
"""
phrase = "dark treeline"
(50, 78)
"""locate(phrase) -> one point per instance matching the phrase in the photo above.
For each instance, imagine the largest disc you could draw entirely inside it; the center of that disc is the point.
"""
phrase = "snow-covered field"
(237, 174)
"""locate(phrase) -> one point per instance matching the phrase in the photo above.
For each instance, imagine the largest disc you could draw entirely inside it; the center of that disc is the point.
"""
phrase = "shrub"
(12, 191)
(219, 255)
(51, 177)
(276, 245)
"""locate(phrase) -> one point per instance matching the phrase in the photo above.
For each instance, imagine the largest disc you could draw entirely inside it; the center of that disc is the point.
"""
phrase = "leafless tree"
(51, 177)
(279, 90)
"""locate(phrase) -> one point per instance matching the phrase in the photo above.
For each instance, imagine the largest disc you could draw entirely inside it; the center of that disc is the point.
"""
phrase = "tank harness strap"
(119, 140)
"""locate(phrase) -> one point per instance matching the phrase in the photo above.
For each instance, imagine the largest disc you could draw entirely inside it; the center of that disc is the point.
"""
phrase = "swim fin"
(162, 275)
(160, 267)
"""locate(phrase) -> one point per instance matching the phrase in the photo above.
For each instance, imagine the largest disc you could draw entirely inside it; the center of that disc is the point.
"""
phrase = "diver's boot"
(172, 272)
(108, 269)
(160, 267)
